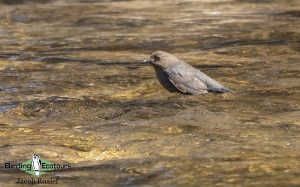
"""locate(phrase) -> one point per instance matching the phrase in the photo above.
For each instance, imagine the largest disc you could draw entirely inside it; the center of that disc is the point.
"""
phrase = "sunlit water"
(73, 89)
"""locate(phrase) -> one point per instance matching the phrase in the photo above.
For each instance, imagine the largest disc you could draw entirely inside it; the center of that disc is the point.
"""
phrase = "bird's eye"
(156, 58)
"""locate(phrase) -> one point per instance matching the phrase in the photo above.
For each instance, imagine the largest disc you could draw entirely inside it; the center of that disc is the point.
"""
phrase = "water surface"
(73, 89)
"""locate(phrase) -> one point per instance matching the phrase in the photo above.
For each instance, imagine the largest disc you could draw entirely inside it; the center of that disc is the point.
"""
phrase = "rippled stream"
(74, 90)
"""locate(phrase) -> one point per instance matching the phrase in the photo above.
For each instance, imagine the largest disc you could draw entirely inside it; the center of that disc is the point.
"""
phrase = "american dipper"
(178, 76)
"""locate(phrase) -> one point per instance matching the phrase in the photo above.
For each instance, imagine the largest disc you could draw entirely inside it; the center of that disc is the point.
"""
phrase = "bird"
(177, 76)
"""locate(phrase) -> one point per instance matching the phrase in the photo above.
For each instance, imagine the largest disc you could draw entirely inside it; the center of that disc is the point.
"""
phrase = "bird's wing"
(184, 80)
(211, 84)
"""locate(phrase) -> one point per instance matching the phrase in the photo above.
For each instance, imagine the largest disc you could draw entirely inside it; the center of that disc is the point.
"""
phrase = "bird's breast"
(163, 79)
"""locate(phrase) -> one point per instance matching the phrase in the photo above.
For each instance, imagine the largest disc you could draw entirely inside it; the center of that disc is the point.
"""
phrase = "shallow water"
(73, 89)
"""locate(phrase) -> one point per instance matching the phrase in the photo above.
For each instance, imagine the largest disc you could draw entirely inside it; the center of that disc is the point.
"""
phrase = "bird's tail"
(224, 90)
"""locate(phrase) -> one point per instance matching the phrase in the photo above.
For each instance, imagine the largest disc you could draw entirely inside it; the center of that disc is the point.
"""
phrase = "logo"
(37, 166)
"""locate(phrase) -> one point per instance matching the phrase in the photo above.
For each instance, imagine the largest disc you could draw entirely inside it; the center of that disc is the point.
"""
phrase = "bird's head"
(162, 59)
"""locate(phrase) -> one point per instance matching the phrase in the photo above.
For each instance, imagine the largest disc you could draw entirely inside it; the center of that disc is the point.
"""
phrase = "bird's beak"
(149, 61)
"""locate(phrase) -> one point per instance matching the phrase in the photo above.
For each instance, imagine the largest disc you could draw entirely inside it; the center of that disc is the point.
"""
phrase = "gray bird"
(177, 76)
